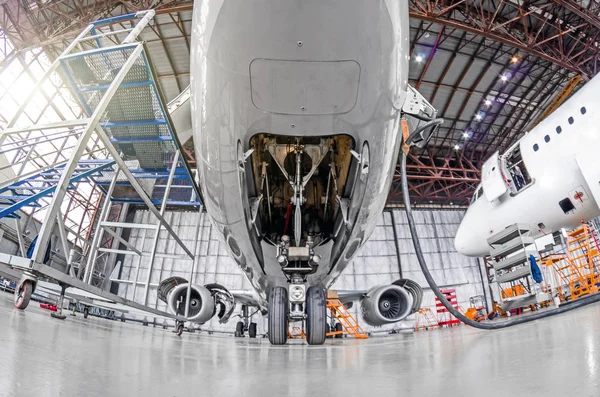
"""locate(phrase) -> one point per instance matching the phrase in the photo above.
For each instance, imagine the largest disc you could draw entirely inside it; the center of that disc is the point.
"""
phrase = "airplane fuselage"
(559, 155)
(269, 75)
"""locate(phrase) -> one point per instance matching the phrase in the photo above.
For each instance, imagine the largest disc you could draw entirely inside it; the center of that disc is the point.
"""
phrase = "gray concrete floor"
(41, 356)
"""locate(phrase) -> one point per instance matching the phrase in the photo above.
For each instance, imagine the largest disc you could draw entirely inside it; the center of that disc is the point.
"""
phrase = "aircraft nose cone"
(468, 240)
(461, 241)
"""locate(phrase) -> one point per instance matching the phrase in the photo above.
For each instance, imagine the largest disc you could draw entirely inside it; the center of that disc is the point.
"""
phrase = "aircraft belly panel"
(304, 87)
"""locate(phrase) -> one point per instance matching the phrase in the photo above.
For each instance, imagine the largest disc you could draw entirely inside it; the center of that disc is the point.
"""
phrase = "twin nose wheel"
(316, 316)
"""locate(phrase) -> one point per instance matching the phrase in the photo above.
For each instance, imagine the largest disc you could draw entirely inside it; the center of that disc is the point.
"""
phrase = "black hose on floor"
(491, 325)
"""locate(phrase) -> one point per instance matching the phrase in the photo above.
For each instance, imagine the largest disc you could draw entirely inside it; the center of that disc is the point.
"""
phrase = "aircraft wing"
(349, 296)
(245, 297)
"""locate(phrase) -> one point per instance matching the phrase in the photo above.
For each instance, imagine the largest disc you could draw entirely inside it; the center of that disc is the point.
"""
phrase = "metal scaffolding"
(125, 147)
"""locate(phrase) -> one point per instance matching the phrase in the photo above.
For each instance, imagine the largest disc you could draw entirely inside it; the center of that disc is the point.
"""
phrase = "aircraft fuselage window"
(535, 147)
(547, 138)
(558, 129)
(583, 110)
(571, 120)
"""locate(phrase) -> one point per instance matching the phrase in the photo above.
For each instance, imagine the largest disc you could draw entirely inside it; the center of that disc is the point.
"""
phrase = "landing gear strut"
(297, 263)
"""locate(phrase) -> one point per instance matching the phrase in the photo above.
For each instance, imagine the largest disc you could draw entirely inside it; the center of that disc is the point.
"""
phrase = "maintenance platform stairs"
(28, 192)
(124, 144)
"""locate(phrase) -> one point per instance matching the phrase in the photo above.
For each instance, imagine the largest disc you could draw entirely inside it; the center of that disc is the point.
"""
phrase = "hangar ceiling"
(490, 67)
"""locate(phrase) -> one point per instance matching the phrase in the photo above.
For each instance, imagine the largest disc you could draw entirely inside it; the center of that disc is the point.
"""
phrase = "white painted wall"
(376, 263)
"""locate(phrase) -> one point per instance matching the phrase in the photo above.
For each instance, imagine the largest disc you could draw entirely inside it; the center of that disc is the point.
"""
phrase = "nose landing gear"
(316, 316)
(278, 316)
(312, 308)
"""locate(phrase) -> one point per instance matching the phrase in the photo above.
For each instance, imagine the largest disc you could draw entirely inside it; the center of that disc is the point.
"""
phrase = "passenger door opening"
(515, 171)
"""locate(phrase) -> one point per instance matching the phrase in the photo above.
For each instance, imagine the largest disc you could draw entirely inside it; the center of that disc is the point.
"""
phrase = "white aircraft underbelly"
(295, 69)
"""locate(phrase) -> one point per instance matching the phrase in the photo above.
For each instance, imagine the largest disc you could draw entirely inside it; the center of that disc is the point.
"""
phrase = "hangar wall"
(376, 264)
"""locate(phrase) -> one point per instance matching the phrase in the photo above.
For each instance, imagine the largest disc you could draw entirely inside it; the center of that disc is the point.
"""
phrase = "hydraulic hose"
(432, 284)
(428, 124)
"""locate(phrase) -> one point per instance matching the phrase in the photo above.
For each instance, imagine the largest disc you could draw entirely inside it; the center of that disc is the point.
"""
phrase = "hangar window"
(571, 120)
(558, 129)
(516, 173)
(583, 110)
(547, 138)
(535, 147)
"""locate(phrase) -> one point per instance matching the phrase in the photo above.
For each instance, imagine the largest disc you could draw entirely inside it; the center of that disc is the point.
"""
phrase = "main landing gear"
(245, 324)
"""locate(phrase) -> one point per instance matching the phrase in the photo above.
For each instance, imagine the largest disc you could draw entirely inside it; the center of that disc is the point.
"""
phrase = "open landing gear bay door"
(492, 179)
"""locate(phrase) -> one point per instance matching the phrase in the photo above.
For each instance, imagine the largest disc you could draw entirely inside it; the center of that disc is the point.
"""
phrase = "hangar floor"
(41, 356)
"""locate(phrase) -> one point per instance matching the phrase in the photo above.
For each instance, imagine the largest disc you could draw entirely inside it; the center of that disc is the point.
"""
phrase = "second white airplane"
(548, 180)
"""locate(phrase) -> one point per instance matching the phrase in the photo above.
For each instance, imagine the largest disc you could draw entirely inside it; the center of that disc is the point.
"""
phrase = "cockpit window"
(478, 193)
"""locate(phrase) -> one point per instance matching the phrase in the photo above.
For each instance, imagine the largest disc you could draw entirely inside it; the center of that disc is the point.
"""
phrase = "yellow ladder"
(582, 248)
(426, 320)
(567, 276)
(342, 315)
(296, 333)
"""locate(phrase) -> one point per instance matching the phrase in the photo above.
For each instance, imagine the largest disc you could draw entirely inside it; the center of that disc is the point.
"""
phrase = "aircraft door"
(589, 164)
(492, 179)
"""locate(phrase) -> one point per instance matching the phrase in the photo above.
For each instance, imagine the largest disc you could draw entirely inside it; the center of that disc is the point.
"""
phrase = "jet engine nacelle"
(386, 304)
(205, 301)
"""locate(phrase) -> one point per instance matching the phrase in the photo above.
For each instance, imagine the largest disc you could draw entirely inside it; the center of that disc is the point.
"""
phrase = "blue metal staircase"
(28, 192)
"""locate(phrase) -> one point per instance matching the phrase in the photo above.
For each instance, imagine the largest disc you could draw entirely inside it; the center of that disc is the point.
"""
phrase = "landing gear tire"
(86, 312)
(179, 329)
(339, 328)
(23, 295)
(316, 316)
(252, 330)
(239, 329)
(278, 316)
